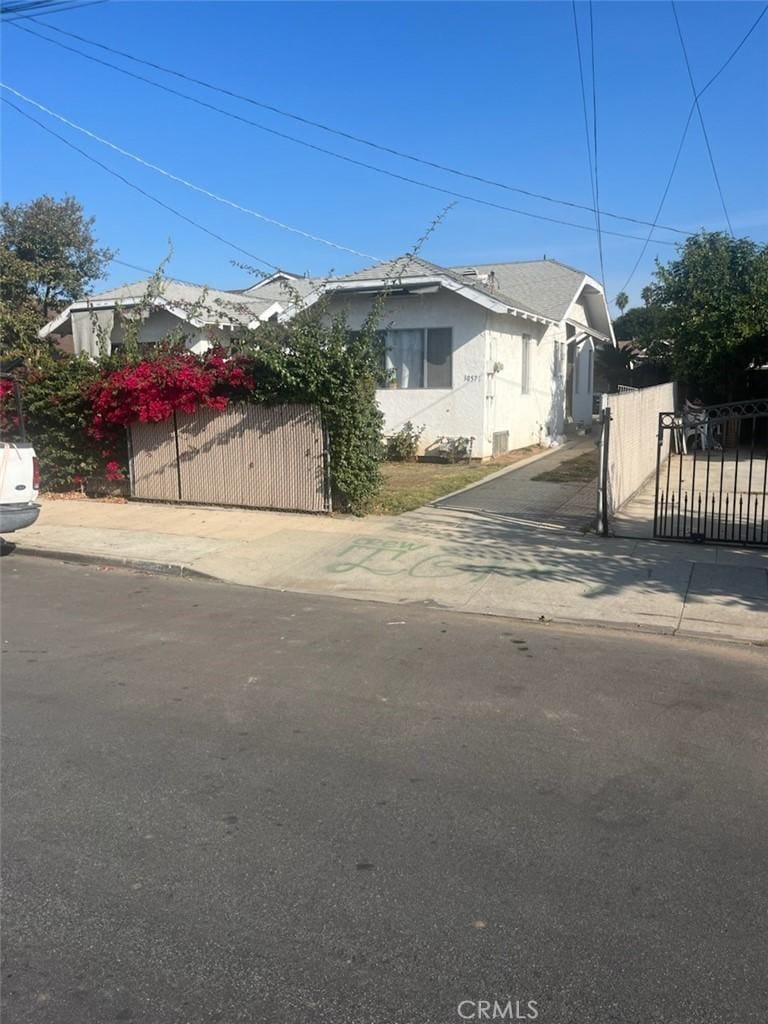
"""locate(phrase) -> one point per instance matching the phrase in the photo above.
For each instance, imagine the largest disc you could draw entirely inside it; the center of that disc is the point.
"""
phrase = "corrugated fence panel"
(153, 461)
(258, 456)
(633, 445)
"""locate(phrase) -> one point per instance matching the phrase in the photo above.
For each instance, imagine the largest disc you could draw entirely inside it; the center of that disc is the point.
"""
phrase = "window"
(525, 376)
(590, 370)
(420, 358)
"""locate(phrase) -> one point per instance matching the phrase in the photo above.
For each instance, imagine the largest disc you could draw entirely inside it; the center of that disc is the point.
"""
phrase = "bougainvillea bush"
(152, 390)
(77, 410)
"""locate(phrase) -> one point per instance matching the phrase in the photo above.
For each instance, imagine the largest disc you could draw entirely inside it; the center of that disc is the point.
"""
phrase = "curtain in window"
(405, 355)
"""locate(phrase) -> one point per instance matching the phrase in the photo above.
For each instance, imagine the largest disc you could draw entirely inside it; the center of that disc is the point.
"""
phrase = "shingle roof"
(277, 291)
(397, 269)
(543, 287)
(211, 305)
(546, 286)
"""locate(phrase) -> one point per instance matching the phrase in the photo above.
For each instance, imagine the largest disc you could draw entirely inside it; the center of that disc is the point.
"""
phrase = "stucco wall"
(535, 417)
(160, 324)
(583, 363)
(452, 412)
(583, 377)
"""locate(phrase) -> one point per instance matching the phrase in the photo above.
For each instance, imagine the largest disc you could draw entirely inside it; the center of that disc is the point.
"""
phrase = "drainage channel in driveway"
(519, 495)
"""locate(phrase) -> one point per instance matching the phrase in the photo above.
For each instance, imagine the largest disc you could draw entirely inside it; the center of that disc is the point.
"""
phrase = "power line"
(184, 181)
(594, 140)
(131, 266)
(16, 12)
(584, 103)
(676, 160)
(340, 156)
(701, 116)
(137, 188)
(328, 128)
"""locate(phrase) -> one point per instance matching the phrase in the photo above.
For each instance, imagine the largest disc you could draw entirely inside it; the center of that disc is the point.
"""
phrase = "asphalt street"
(227, 804)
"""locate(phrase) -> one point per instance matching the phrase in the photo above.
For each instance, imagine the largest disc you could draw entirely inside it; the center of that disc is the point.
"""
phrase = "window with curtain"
(420, 357)
(525, 375)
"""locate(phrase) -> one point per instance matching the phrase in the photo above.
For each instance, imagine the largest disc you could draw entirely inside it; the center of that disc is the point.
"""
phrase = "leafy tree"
(644, 325)
(613, 366)
(622, 301)
(712, 302)
(49, 258)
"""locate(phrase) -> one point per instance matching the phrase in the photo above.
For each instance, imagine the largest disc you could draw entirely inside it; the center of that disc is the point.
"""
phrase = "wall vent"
(501, 442)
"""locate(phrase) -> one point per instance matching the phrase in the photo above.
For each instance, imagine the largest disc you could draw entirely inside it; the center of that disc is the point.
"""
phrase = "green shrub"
(403, 445)
(57, 416)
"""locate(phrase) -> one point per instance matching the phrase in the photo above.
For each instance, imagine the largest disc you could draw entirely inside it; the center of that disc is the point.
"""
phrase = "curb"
(158, 568)
(179, 571)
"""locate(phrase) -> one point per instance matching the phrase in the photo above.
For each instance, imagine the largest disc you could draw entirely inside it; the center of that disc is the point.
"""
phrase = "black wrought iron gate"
(712, 474)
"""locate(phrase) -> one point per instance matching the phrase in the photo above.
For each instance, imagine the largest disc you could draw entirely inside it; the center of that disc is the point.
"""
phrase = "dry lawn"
(408, 485)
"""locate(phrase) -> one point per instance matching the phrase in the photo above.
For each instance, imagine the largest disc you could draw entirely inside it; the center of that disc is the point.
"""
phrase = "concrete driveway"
(518, 494)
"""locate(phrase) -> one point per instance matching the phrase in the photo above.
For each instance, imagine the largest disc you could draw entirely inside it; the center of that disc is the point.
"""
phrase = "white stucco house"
(502, 353)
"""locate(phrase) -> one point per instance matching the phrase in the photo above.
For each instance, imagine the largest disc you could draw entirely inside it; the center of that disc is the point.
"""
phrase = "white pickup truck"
(19, 485)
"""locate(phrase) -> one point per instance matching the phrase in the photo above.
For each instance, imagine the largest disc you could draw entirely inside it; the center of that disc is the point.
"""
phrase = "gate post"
(602, 472)
(659, 446)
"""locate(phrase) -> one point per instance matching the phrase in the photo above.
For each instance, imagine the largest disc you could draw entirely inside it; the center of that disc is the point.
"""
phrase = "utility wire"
(137, 188)
(343, 157)
(131, 266)
(337, 131)
(676, 160)
(594, 140)
(15, 12)
(183, 181)
(584, 103)
(701, 116)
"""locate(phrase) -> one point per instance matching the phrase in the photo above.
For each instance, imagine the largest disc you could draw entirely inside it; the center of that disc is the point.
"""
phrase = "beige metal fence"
(249, 455)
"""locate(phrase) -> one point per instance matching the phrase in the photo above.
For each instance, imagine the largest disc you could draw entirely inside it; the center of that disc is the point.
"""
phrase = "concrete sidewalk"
(477, 562)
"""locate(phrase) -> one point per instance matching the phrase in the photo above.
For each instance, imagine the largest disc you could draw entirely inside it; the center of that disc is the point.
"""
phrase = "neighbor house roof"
(192, 302)
(281, 285)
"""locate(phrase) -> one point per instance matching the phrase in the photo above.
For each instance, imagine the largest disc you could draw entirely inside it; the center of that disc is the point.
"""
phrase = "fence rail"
(713, 484)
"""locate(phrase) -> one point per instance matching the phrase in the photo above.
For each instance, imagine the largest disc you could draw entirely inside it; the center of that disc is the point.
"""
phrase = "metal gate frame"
(709, 509)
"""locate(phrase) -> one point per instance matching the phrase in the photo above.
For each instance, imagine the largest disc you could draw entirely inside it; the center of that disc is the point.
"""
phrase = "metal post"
(178, 457)
(602, 474)
(660, 445)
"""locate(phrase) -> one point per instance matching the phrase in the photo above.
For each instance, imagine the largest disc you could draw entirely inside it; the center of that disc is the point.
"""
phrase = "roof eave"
(465, 290)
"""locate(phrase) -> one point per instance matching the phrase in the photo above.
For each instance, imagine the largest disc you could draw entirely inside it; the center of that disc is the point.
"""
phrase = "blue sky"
(489, 88)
